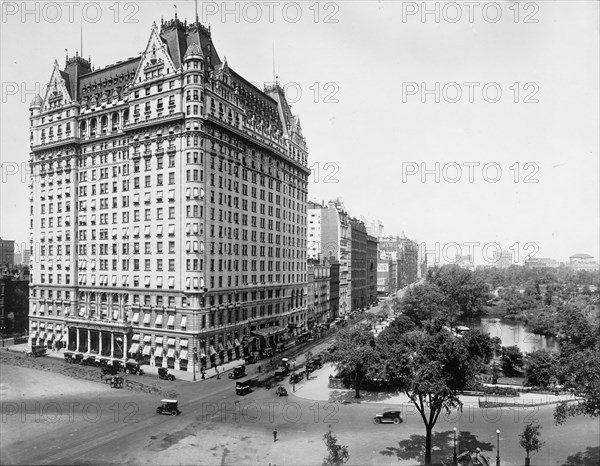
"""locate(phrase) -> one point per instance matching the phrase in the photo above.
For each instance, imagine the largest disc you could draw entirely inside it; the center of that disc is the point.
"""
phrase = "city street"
(88, 422)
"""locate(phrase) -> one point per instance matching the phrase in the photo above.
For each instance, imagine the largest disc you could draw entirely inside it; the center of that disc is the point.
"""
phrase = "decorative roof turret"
(37, 102)
(193, 51)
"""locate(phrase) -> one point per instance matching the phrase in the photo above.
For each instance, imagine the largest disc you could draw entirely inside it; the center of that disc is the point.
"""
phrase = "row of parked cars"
(131, 366)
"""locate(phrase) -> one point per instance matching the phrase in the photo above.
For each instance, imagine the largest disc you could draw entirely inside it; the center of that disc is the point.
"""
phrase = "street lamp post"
(454, 461)
(497, 447)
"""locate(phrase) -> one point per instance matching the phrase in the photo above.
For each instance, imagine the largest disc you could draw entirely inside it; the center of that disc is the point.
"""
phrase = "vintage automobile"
(168, 407)
(251, 359)
(35, 351)
(238, 372)
(103, 362)
(110, 369)
(89, 361)
(78, 358)
(314, 364)
(243, 387)
(296, 377)
(163, 374)
(280, 347)
(388, 416)
(69, 357)
(116, 381)
(283, 368)
(281, 391)
(133, 367)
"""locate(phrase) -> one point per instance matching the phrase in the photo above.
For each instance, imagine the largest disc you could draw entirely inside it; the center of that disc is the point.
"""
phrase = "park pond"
(513, 333)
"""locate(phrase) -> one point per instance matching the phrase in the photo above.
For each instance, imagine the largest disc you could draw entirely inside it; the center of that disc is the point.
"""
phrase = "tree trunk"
(427, 446)
(356, 379)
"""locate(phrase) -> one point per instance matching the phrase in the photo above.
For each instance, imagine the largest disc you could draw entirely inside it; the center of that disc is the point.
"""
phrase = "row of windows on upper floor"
(160, 300)
(223, 182)
(151, 300)
(192, 265)
(215, 283)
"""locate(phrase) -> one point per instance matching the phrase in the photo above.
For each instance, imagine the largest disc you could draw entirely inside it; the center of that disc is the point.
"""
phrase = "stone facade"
(169, 209)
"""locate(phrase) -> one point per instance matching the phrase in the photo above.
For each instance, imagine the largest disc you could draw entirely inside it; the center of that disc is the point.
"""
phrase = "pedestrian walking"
(275, 435)
(259, 368)
(217, 371)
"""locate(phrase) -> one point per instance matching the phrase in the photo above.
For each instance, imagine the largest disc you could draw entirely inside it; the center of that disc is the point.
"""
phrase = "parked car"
(280, 347)
(388, 416)
(110, 369)
(35, 351)
(281, 391)
(168, 407)
(88, 361)
(238, 372)
(78, 358)
(251, 359)
(133, 367)
(163, 374)
(69, 357)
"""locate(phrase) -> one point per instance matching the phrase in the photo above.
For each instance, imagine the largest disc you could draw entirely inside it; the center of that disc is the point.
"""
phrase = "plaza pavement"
(317, 389)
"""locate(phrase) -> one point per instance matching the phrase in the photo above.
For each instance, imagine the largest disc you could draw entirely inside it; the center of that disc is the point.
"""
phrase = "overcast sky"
(499, 102)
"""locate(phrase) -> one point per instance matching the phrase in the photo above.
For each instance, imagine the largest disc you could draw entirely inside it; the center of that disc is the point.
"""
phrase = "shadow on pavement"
(442, 447)
(589, 457)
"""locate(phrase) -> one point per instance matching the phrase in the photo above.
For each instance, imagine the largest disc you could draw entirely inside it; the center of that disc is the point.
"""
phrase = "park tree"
(464, 291)
(399, 326)
(579, 364)
(354, 355)
(481, 345)
(425, 302)
(431, 369)
(540, 368)
(512, 360)
(579, 372)
(337, 454)
(530, 441)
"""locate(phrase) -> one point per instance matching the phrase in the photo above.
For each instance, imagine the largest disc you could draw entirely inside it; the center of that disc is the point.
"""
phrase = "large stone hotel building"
(168, 207)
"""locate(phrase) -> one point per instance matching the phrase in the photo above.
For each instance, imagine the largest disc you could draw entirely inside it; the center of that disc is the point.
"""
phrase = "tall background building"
(7, 253)
(336, 246)
(169, 209)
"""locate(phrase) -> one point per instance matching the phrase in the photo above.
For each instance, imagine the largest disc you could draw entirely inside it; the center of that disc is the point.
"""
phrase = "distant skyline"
(522, 173)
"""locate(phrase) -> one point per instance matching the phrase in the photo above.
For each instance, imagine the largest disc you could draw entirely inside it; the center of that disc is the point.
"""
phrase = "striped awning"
(183, 354)
(146, 351)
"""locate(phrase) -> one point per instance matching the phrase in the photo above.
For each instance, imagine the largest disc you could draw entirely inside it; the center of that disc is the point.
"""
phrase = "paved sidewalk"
(317, 389)
(179, 374)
